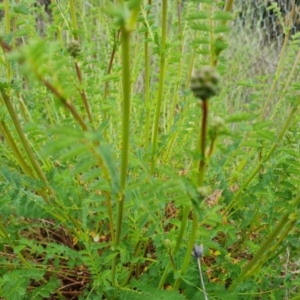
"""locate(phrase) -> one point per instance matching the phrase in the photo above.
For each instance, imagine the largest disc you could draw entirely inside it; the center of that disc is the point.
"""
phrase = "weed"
(131, 133)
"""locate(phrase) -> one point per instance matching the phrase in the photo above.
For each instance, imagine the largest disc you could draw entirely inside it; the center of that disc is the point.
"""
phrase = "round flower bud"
(198, 251)
(235, 175)
(216, 127)
(74, 48)
(203, 192)
(205, 82)
(167, 242)
(217, 122)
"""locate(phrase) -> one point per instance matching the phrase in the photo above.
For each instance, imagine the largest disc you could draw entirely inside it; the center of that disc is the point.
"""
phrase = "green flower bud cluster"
(203, 192)
(217, 126)
(205, 82)
(74, 48)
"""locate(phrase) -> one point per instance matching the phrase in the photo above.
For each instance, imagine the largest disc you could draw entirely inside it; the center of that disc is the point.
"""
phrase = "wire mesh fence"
(255, 16)
(255, 44)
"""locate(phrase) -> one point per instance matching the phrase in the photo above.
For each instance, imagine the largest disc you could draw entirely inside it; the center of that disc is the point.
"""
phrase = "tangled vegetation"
(147, 152)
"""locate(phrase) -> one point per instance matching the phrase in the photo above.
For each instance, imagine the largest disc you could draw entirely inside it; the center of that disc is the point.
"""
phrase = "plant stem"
(201, 167)
(17, 154)
(74, 20)
(228, 5)
(7, 31)
(270, 254)
(178, 80)
(82, 93)
(201, 278)
(201, 173)
(132, 265)
(109, 68)
(35, 165)
(264, 160)
(147, 85)
(211, 147)
(269, 98)
(125, 43)
(261, 251)
(110, 216)
(65, 102)
(161, 83)
(125, 123)
(187, 257)
(183, 224)
(57, 93)
(247, 271)
(12, 245)
(7, 17)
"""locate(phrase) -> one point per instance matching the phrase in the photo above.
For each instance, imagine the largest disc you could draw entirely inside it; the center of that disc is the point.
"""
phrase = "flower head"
(205, 82)
(198, 251)
(74, 48)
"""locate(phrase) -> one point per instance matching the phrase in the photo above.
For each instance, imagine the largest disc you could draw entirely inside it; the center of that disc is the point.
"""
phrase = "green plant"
(128, 138)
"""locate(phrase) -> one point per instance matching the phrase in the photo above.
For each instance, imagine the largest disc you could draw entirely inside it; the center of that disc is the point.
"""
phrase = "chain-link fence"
(255, 42)
(263, 23)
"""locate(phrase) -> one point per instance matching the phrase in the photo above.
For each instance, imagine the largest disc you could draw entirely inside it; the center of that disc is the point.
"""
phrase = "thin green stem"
(228, 6)
(74, 20)
(35, 165)
(55, 91)
(287, 84)
(82, 93)
(56, 20)
(270, 254)
(125, 122)
(7, 31)
(211, 147)
(7, 17)
(201, 173)
(175, 134)
(17, 154)
(38, 172)
(190, 71)
(201, 167)
(283, 49)
(266, 245)
(178, 79)
(213, 59)
(238, 247)
(125, 44)
(183, 225)
(265, 159)
(269, 98)
(110, 216)
(161, 83)
(147, 84)
(131, 269)
(23, 109)
(109, 68)
(179, 21)
(261, 251)
(12, 245)
(65, 102)
(187, 257)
